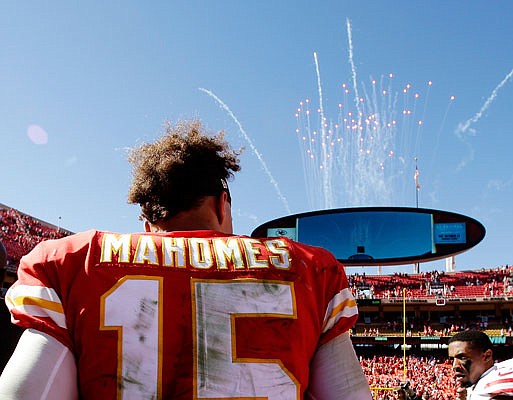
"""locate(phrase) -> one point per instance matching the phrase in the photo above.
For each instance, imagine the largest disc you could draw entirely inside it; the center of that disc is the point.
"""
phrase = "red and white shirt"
(184, 315)
(496, 382)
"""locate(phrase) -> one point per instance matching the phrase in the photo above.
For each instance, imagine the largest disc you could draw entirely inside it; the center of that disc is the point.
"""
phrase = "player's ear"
(488, 355)
(221, 207)
(147, 227)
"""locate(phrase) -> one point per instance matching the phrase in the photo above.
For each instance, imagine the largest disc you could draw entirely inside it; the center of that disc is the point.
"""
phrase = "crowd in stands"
(420, 327)
(20, 233)
(497, 283)
(484, 283)
(429, 377)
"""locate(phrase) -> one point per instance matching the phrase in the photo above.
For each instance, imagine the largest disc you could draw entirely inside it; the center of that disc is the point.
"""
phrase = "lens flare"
(37, 134)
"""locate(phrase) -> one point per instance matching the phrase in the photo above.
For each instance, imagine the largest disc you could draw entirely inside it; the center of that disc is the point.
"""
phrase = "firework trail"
(370, 137)
(353, 67)
(351, 177)
(461, 130)
(252, 146)
(435, 148)
(326, 184)
(463, 127)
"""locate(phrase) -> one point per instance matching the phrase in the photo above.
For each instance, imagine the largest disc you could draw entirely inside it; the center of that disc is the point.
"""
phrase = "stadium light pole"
(404, 335)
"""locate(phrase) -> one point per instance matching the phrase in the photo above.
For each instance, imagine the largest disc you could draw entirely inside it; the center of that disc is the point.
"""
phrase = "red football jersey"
(184, 315)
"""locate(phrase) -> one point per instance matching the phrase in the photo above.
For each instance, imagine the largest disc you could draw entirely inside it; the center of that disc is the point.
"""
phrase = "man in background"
(186, 310)
(477, 375)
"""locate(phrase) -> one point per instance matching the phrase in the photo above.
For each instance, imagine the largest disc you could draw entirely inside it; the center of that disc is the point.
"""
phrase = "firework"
(359, 156)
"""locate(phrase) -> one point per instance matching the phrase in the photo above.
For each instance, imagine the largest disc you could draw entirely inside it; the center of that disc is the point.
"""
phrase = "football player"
(476, 373)
(186, 309)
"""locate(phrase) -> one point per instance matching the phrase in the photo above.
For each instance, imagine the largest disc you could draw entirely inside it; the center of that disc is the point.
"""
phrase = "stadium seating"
(427, 376)
(20, 233)
(470, 284)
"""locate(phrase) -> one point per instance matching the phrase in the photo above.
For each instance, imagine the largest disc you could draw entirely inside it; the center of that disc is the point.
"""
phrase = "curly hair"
(174, 173)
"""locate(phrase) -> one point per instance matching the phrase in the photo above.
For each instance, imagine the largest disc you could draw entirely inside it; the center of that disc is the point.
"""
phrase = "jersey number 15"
(134, 308)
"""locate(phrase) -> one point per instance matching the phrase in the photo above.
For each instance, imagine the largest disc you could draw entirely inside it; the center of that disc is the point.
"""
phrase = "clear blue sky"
(82, 81)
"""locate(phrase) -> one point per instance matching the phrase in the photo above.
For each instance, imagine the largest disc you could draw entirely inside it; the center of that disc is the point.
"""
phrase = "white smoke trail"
(463, 127)
(359, 191)
(326, 184)
(252, 146)
(306, 138)
(442, 126)
(353, 67)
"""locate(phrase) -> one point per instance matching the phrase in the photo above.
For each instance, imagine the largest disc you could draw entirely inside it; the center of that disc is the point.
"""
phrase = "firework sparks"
(362, 151)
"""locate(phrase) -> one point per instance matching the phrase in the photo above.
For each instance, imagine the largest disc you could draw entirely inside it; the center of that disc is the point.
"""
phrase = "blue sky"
(82, 82)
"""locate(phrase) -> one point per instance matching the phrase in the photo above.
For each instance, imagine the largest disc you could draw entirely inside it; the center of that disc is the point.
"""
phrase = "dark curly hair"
(174, 173)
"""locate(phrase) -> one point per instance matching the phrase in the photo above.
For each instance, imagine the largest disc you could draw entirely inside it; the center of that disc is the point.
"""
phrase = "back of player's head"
(477, 340)
(178, 170)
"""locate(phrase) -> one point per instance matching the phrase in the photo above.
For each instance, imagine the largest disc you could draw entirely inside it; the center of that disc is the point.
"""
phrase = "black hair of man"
(477, 340)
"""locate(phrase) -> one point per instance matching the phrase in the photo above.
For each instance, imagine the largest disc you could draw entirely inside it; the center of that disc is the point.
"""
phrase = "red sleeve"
(332, 297)
(35, 300)
(341, 309)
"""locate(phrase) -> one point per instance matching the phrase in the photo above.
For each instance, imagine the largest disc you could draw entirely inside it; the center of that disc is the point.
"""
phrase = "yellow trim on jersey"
(342, 305)
(37, 301)
(34, 301)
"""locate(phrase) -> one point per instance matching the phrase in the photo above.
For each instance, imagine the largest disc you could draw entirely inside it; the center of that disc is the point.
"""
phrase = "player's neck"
(202, 217)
